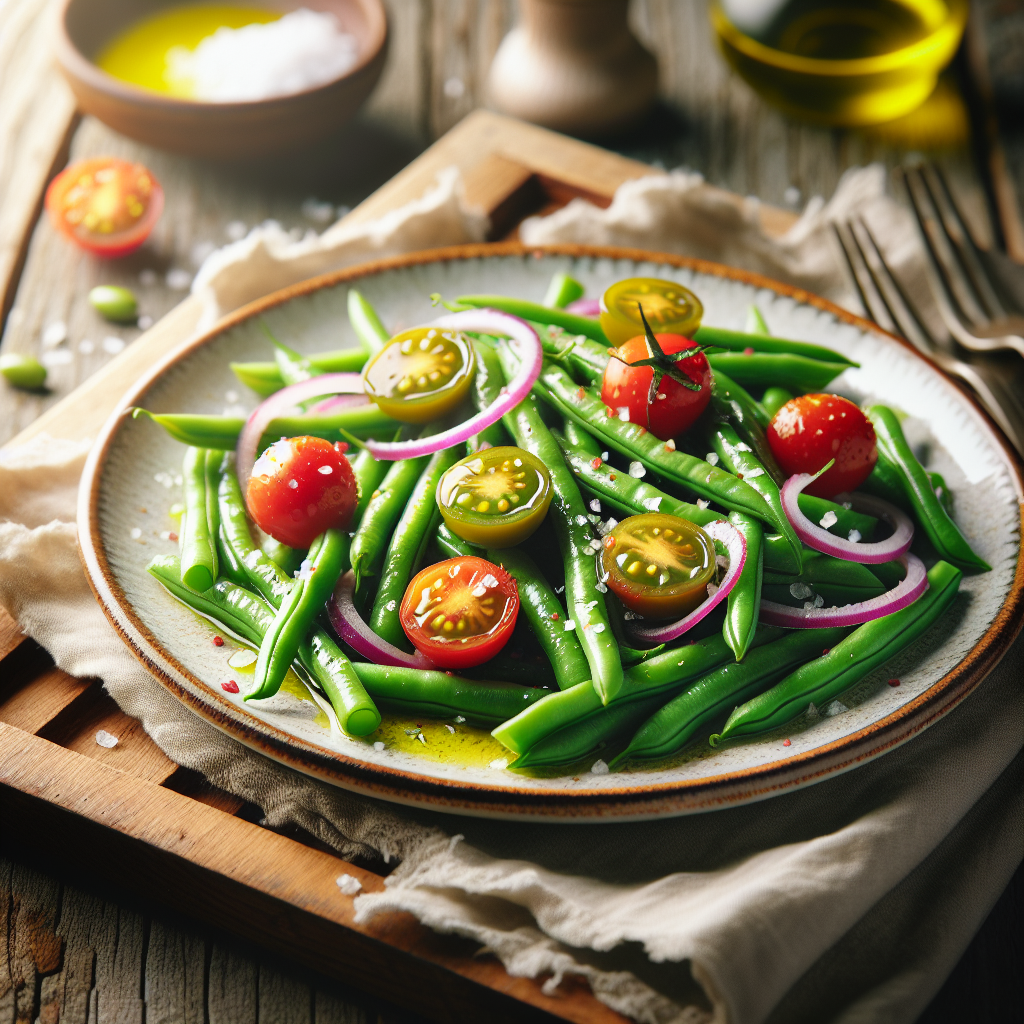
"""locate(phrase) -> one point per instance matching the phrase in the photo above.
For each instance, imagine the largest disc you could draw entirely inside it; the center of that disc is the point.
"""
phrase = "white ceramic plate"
(133, 463)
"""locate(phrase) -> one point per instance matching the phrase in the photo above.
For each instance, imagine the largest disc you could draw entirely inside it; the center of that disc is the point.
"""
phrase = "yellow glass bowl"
(848, 92)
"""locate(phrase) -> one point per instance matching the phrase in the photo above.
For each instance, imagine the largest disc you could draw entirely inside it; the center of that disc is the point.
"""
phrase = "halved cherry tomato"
(106, 206)
(659, 565)
(810, 430)
(461, 612)
(495, 498)
(421, 375)
(668, 306)
(675, 408)
(301, 486)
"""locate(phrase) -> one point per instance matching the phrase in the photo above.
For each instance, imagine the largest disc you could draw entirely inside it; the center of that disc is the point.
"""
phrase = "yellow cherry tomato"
(495, 498)
(421, 374)
(659, 565)
(669, 307)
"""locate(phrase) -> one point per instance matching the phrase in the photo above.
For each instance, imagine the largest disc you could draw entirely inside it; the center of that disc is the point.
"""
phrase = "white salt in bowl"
(222, 131)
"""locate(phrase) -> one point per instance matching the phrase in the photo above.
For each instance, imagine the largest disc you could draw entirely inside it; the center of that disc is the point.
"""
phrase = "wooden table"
(108, 957)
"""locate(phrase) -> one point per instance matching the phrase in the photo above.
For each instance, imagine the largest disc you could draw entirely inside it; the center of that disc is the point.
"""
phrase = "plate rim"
(581, 805)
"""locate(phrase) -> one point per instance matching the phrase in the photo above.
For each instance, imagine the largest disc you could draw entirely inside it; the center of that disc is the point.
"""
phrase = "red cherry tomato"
(675, 408)
(461, 612)
(301, 486)
(106, 206)
(809, 431)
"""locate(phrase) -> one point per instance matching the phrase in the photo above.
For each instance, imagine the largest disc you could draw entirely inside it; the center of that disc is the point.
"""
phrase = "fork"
(979, 294)
(888, 305)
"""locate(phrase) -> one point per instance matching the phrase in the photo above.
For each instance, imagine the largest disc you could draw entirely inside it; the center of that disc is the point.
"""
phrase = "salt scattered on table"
(178, 280)
(235, 230)
(349, 885)
(112, 345)
(54, 334)
(105, 739)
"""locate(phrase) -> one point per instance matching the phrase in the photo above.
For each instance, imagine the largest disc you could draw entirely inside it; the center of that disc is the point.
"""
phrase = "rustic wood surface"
(72, 950)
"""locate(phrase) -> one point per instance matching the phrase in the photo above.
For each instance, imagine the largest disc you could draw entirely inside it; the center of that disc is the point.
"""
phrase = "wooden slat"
(228, 872)
(43, 699)
(11, 636)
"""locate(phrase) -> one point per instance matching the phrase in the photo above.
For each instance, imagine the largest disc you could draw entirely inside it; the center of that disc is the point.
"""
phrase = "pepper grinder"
(574, 66)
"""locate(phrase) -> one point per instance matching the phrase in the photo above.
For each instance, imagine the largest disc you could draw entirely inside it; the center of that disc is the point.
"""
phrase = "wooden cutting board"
(146, 824)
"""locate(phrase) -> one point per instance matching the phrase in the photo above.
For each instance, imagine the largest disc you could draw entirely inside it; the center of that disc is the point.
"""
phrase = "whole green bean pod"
(369, 473)
(756, 323)
(846, 520)
(212, 474)
(658, 676)
(487, 385)
(739, 341)
(838, 581)
(695, 475)
(845, 664)
(534, 311)
(365, 322)
(416, 526)
(562, 290)
(356, 711)
(265, 377)
(582, 441)
(230, 566)
(382, 514)
(760, 370)
(440, 695)
(546, 616)
(300, 606)
(774, 399)
(943, 533)
(199, 568)
(744, 601)
(568, 515)
(453, 546)
(677, 722)
(222, 432)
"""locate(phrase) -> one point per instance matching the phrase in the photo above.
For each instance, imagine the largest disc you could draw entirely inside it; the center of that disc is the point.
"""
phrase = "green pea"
(22, 371)
(114, 302)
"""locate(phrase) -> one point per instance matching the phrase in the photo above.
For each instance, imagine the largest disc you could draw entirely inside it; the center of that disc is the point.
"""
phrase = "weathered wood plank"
(283, 998)
(175, 976)
(233, 987)
(43, 699)
(11, 636)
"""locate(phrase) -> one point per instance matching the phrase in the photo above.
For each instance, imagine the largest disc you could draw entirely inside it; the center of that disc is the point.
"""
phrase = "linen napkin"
(848, 901)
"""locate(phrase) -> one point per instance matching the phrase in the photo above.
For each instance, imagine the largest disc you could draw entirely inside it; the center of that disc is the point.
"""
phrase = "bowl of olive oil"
(840, 62)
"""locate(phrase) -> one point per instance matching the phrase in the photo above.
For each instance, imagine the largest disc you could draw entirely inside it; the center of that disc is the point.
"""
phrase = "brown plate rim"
(494, 800)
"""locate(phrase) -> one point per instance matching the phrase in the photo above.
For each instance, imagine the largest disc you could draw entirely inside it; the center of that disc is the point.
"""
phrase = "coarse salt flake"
(636, 470)
(135, 533)
(853, 536)
(349, 885)
(652, 504)
(378, 745)
(105, 739)
(711, 459)
(595, 505)
(499, 763)
(829, 519)
(599, 768)
(569, 625)
(701, 503)
(242, 659)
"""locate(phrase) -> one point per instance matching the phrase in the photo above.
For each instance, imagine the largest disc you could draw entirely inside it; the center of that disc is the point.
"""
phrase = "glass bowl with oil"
(840, 62)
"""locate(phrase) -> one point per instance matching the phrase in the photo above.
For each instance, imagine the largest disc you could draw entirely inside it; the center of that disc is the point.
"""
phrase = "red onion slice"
(907, 592)
(280, 403)
(531, 356)
(585, 307)
(349, 625)
(737, 548)
(336, 402)
(820, 539)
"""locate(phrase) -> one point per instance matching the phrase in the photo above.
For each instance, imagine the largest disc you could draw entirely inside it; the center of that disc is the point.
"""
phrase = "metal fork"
(889, 306)
(979, 294)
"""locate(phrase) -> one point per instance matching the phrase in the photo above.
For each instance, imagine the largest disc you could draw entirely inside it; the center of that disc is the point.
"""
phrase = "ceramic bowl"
(861, 91)
(224, 131)
(128, 486)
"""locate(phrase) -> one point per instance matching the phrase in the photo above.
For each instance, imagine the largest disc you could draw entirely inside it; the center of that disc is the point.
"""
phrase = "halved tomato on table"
(106, 206)
(460, 612)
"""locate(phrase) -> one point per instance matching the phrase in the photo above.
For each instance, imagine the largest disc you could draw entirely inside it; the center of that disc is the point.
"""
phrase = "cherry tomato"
(810, 430)
(659, 565)
(668, 306)
(421, 375)
(106, 206)
(675, 408)
(495, 498)
(461, 612)
(301, 486)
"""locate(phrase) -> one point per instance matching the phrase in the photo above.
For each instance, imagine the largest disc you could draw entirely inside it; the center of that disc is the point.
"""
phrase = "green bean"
(545, 615)
(738, 341)
(327, 560)
(453, 546)
(943, 533)
(562, 290)
(198, 546)
(365, 322)
(579, 439)
(671, 727)
(837, 580)
(568, 515)
(230, 567)
(846, 520)
(22, 371)
(732, 403)
(414, 530)
(774, 399)
(289, 559)
(222, 432)
(744, 601)
(736, 456)
(628, 654)
(660, 675)
(211, 483)
(759, 369)
(570, 322)
(369, 473)
(265, 378)
(356, 711)
(632, 440)
(114, 303)
(756, 323)
(487, 385)
(293, 366)
(440, 695)
(867, 647)
(382, 513)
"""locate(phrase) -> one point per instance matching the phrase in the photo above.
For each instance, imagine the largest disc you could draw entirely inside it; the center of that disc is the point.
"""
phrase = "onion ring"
(585, 307)
(737, 547)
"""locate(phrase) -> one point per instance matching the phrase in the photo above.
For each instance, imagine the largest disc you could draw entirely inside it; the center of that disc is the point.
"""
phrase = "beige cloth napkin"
(849, 901)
